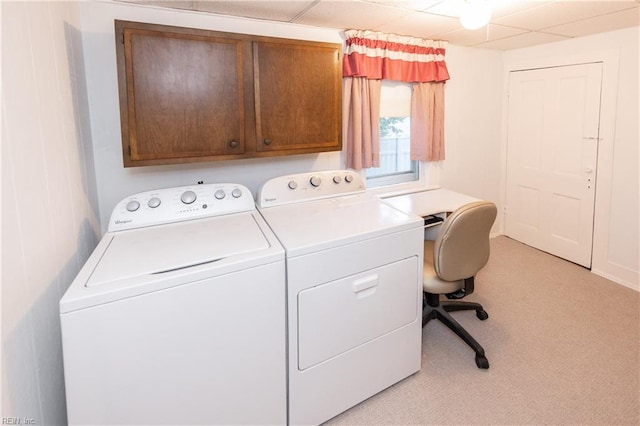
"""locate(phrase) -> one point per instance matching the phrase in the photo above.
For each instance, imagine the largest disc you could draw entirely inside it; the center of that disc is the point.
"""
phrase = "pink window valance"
(371, 57)
(375, 55)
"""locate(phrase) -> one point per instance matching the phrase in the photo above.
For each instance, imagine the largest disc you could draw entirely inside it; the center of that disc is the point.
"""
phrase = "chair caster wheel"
(482, 362)
(482, 315)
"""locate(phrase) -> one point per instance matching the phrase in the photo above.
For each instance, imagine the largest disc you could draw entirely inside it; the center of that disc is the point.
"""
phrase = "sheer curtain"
(372, 56)
(427, 122)
(361, 117)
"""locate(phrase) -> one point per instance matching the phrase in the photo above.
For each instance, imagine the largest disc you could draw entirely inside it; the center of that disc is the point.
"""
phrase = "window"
(396, 165)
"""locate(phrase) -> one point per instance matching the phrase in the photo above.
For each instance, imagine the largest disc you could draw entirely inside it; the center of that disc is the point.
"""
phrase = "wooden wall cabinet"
(191, 95)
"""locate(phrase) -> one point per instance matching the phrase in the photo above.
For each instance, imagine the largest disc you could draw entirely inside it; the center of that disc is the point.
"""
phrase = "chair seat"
(431, 283)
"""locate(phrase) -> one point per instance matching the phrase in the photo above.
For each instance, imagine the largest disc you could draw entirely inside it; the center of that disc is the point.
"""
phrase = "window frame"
(427, 175)
(399, 182)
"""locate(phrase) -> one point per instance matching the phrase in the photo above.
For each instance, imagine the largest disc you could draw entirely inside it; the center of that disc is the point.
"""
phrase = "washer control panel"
(180, 203)
(309, 186)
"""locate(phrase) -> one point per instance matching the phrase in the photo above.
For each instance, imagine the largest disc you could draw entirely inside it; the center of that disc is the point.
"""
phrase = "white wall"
(49, 210)
(473, 114)
(617, 215)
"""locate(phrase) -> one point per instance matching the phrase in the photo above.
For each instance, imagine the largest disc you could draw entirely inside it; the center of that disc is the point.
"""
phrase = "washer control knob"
(133, 205)
(188, 197)
(315, 181)
(236, 193)
(219, 194)
(337, 179)
(153, 202)
(348, 178)
(292, 184)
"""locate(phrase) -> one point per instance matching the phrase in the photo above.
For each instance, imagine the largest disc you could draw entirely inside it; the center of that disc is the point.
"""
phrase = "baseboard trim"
(616, 279)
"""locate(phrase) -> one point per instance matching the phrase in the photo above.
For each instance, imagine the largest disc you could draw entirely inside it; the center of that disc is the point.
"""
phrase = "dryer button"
(132, 206)
(188, 197)
(153, 202)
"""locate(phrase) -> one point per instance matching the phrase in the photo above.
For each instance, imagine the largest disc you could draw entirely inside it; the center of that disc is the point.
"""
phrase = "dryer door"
(340, 315)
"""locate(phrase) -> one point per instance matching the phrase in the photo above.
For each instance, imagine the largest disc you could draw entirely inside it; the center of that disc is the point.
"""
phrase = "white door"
(552, 147)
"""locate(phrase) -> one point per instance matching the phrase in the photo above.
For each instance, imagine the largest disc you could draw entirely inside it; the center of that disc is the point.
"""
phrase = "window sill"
(429, 179)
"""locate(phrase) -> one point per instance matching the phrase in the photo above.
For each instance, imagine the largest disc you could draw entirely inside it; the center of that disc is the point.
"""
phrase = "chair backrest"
(462, 246)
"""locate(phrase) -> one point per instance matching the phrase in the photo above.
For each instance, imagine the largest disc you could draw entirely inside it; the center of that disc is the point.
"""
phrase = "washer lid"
(165, 248)
(315, 225)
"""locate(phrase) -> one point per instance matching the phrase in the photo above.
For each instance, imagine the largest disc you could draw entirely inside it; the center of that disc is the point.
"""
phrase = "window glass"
(396, 165)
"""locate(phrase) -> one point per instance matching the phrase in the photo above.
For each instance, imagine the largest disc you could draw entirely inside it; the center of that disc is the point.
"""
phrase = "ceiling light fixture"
(475, 14)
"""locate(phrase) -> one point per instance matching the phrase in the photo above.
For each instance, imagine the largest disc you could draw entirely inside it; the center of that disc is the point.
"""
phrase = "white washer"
(178, 316)
(354, 290)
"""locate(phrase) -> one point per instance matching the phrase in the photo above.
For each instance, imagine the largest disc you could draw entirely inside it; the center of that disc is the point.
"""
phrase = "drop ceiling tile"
(407, 4)
(276, 10)
(560, 12)
(599, 24)
(499, 7)
(350, 14)
(509, 7)
(450, 8)
(420, 24)
(474, 37)
(521, 40)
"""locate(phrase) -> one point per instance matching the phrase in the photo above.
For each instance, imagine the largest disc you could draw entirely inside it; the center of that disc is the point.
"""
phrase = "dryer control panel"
(309, 186)
(169, 205)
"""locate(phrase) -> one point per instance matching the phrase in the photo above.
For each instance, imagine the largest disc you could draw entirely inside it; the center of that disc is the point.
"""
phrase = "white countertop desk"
(429, 202)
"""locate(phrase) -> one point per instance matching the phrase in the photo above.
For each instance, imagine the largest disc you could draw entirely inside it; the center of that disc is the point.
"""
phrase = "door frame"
(542, 58)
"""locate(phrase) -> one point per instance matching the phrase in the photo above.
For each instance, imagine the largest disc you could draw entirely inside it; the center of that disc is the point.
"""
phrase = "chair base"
(434, 309)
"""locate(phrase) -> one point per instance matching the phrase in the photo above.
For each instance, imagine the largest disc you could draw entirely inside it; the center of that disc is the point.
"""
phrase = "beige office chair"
(451, 262)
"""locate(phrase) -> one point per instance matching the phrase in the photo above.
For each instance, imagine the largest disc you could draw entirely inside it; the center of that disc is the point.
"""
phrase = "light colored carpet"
(563, 345)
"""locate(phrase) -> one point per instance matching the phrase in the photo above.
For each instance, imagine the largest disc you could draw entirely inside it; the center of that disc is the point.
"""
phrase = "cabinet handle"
(233, 144)
(267, 141)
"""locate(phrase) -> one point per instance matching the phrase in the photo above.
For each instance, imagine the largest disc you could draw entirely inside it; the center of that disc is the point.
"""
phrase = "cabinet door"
(183, 96)
(297, 97)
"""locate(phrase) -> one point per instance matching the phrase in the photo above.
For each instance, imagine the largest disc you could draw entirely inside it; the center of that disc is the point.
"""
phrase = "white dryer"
(178, 316)
(354, 290)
